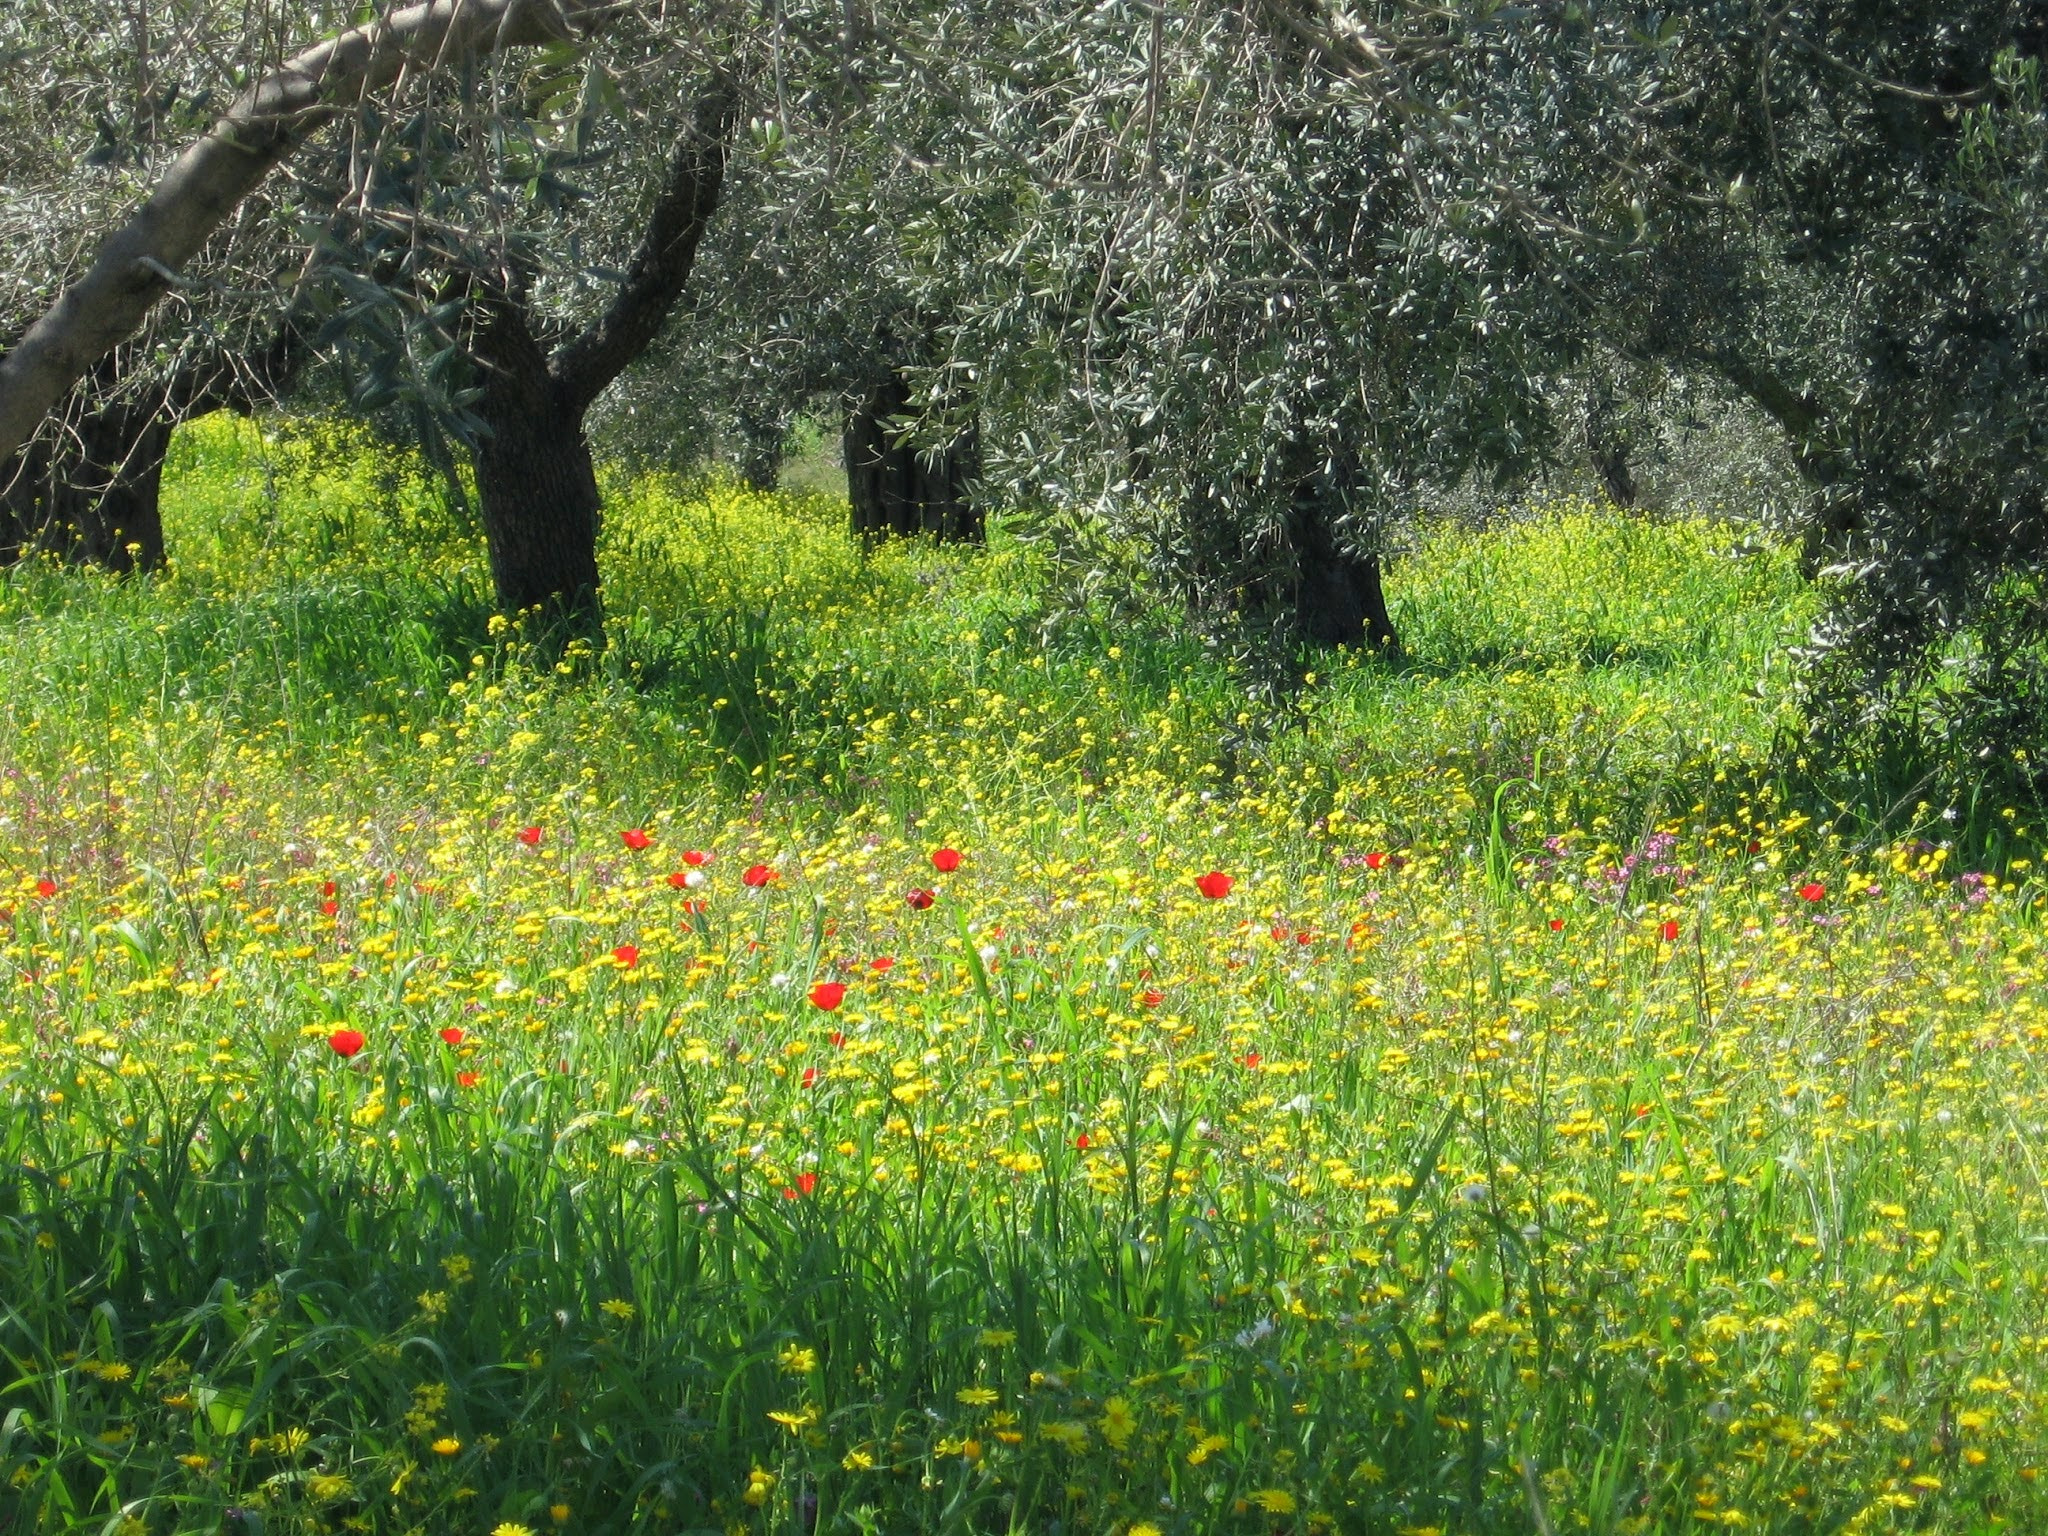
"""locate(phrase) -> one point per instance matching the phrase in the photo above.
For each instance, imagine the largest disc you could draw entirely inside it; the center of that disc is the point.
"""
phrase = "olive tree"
(96, 99)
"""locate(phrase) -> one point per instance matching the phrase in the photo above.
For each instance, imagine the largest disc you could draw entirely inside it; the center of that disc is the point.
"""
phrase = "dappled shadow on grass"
(313, 657)
(1598, 652)
(721, 670)
(1909, 780)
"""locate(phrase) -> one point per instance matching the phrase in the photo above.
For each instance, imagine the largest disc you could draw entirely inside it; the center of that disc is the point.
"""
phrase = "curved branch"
(662, 264)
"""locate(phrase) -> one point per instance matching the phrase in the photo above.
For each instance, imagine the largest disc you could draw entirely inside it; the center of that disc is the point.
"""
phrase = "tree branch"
(204, 185)
(585, 364)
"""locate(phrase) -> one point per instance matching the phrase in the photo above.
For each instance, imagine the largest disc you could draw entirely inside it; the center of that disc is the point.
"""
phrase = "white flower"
(988, 953)
(694, 878)
(1262, 1329)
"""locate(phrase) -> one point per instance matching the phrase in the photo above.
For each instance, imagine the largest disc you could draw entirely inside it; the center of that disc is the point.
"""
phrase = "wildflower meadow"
(870, 1048)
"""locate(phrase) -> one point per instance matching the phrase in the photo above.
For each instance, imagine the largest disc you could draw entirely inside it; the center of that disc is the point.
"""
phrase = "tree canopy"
(1218, 292)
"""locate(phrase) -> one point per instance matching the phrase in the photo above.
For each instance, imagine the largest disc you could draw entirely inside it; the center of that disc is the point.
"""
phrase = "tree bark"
(116, 518)
(1608, 447)
(536, 486)
(1338, 598)
(92, 493)
(21, 502)
(761, 438)
(93, 497)
(141, 260)
(893, 489)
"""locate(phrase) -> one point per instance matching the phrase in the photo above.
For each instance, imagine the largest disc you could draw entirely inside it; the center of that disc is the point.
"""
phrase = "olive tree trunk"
(536, 486)
(896, 490)
(1338, 598)
(91, 493)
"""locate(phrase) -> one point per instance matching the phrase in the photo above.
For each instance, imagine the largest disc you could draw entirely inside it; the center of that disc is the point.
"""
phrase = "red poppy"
(882, 963)
(1252, 1059)
(757, 875)
(1153, 998)
(696, 858)
(391, 881)
(628, 955)
(1813, 890)
(695, 907)
(467, 1079)
(946, 860)
(1081, 1141)
(679, 878)
(329, 908)
(828, 995)
(1670, 930)
(1755, 846)
(921, 898)
(530, 836)
(805, 1183)
(810, 1077)
(327, 888)
(1277, 933)
(346, 1042)
(46, 887)
(636, 839)
(838, 1039)
(1215, 885)
(1375, 861)
(452, 1035)
(1557, 925)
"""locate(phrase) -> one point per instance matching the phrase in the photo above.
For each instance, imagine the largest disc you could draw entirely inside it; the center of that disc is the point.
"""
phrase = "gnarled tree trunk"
(761, 435)
(1337, 597)
(116, 517)
(92, 497)
(536, 487)
(1607, 446)
(895, 490)
(92, 493)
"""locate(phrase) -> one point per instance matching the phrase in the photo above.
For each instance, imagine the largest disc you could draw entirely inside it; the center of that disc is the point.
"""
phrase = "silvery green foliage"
(1837, 211)
(529, 176)
(1184, 277)
(789, 309)
(96, 99)
(1193, 253)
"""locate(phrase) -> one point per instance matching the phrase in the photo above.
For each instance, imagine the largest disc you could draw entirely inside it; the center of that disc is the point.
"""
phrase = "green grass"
(1421, 1183)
